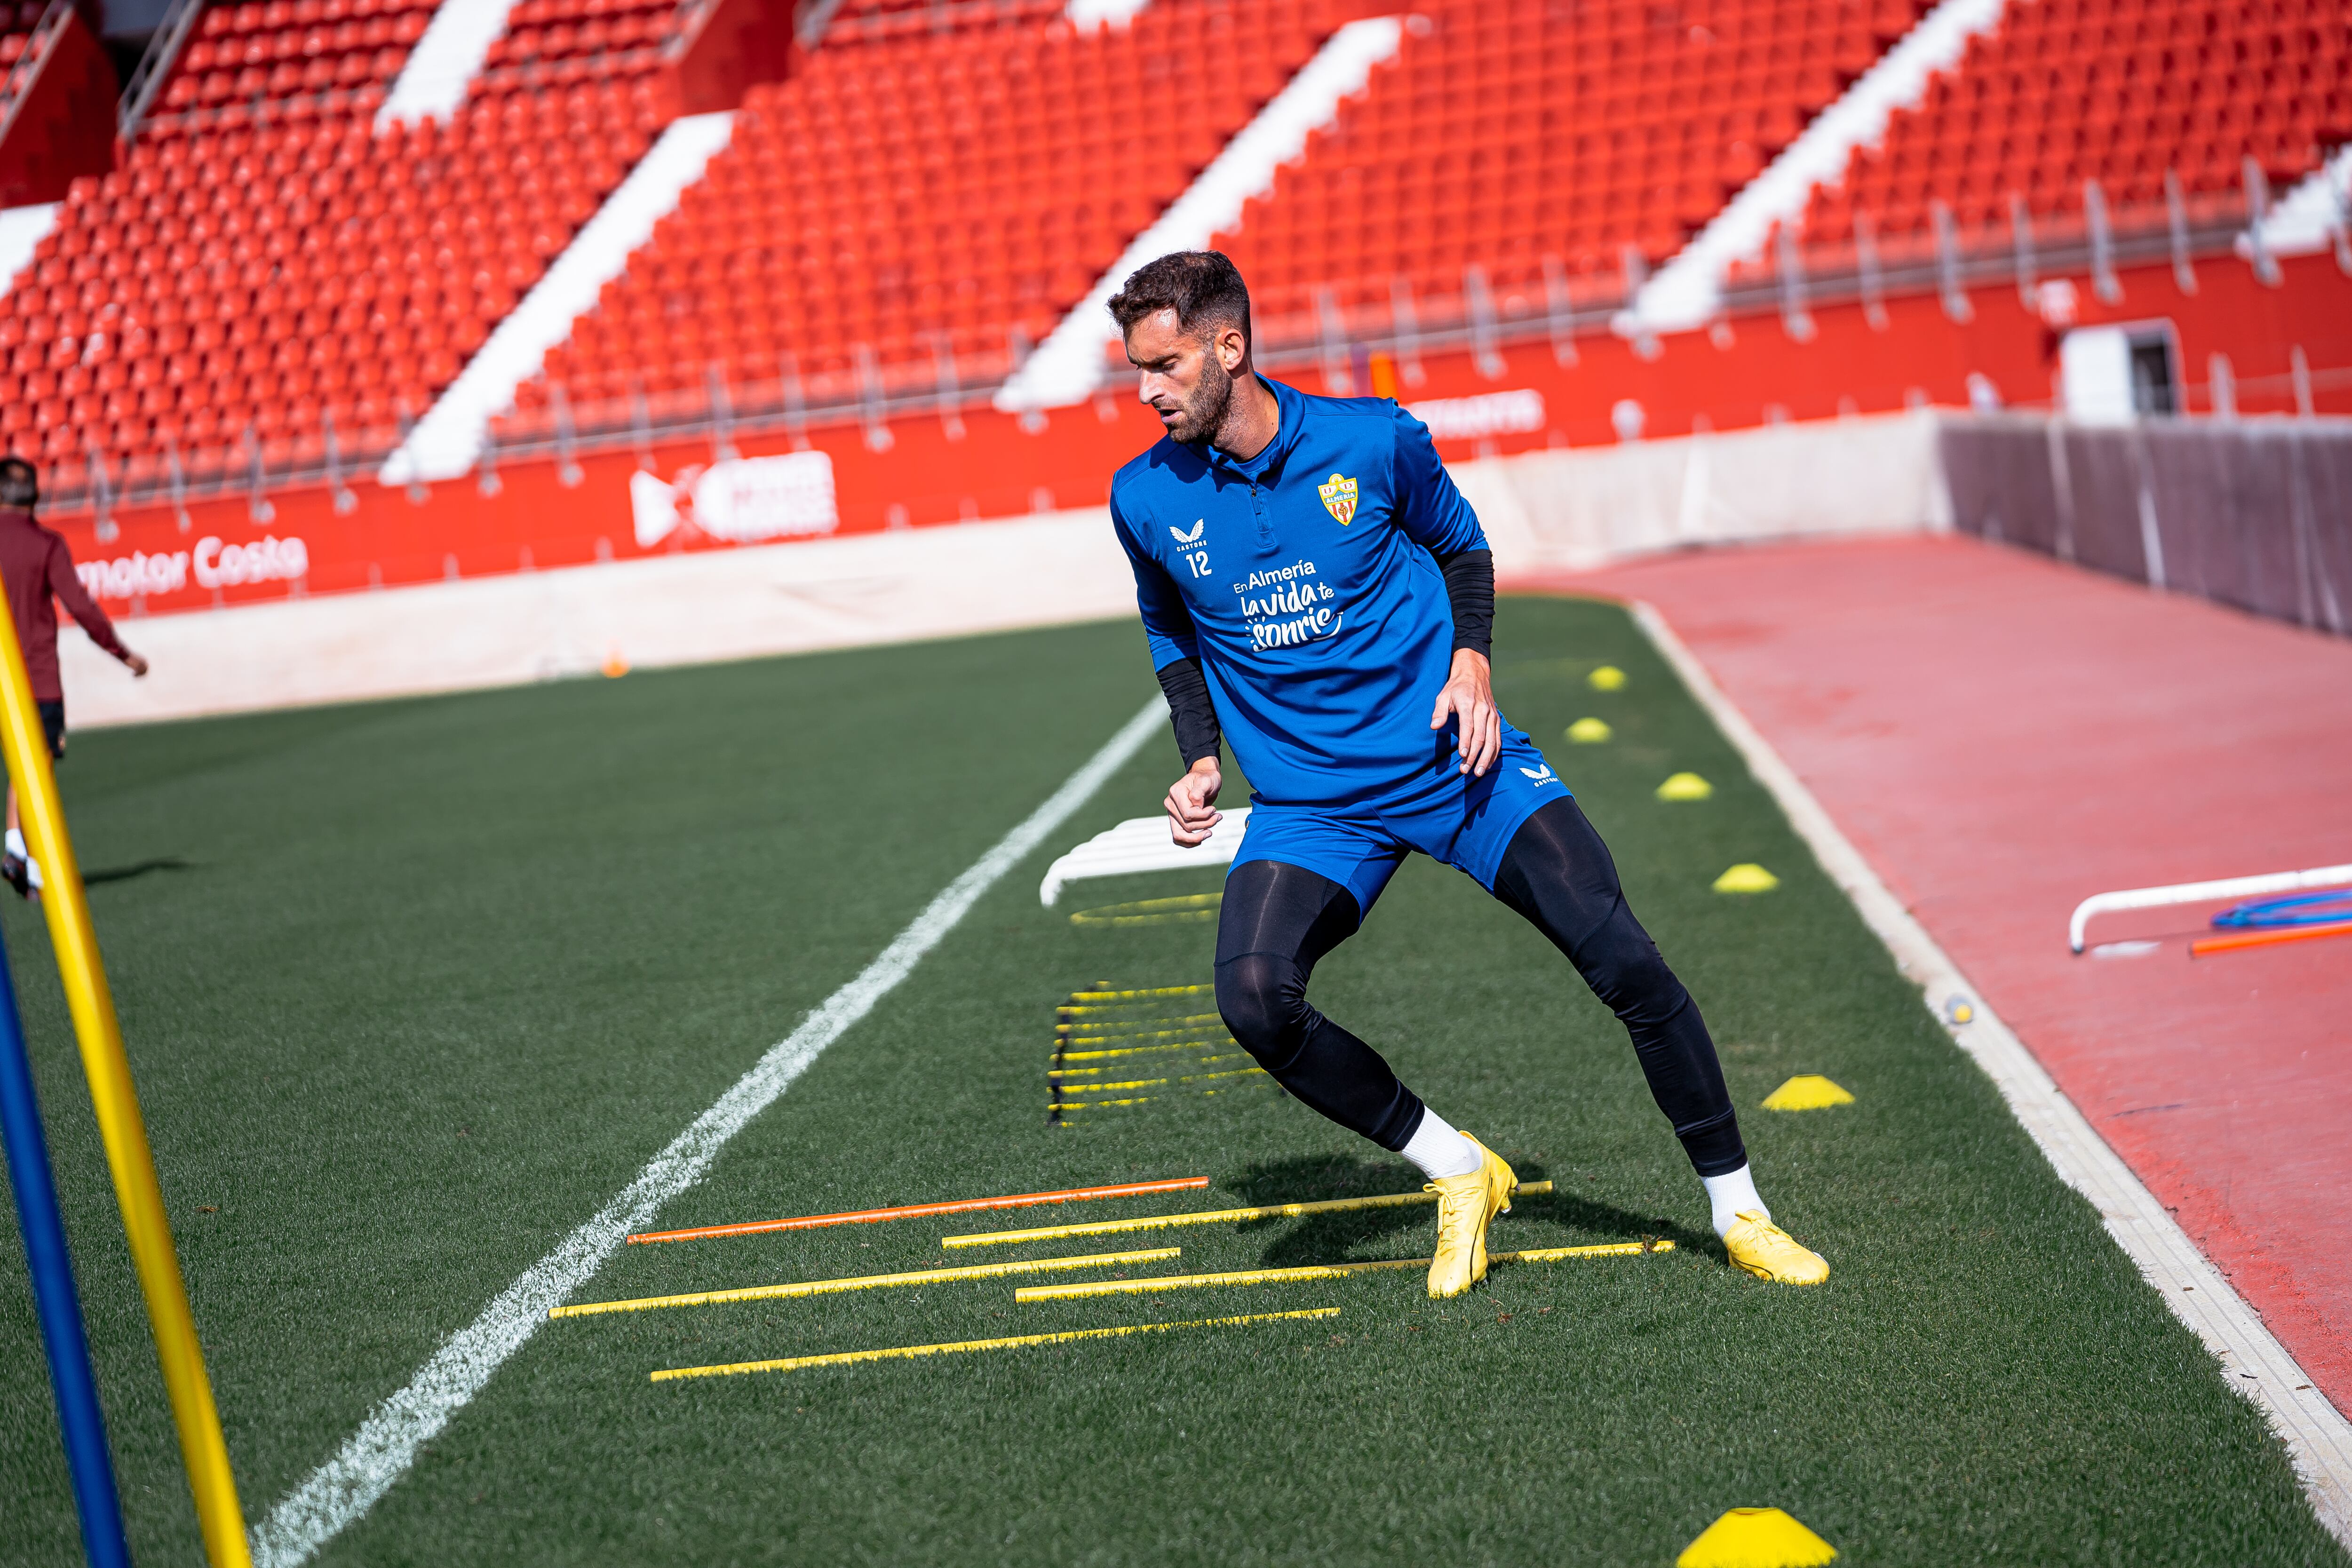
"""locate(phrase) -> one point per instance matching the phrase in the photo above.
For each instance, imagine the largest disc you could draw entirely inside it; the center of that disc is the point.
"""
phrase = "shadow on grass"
(1607, 1222)
(1328, 1237)
(137, 869)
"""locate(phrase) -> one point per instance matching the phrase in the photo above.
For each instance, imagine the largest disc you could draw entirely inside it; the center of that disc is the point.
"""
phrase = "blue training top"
(1305, 581)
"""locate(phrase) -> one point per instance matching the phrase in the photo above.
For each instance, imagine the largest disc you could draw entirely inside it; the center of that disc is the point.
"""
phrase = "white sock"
(16, 844)
(1439, 1150)
(1731, 1194)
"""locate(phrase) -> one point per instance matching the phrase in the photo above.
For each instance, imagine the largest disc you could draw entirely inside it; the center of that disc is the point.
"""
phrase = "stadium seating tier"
(1507, 134)
(2114, 91)
(945, 177)
(268, 266)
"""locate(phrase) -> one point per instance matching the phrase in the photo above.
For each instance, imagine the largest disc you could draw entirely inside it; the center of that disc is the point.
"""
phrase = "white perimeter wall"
(1543, 512)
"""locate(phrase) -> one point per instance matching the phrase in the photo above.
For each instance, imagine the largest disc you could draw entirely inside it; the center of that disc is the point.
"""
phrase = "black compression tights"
(1278, 919)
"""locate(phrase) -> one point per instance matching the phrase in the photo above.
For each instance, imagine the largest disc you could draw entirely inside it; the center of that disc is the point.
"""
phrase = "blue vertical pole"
(54, 1296)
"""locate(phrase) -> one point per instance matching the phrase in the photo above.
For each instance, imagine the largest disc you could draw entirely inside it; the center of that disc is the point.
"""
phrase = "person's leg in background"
(17, 866)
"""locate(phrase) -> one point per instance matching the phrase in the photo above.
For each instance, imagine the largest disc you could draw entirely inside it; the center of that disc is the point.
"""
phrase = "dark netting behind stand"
(2257, 514)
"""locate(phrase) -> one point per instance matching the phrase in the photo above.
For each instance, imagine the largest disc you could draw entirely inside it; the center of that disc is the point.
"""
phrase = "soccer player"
(1317, 592)
(36, 567)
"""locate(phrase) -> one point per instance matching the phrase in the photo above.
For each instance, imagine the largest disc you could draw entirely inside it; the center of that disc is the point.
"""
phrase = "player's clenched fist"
(1192, 803)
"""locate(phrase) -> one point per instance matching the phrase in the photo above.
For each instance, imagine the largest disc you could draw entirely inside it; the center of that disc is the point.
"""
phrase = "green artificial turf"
(411, 989)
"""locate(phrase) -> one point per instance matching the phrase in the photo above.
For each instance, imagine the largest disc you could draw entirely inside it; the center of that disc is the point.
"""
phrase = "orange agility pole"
(2206, 945)
(915, 1211)
(219, 1517)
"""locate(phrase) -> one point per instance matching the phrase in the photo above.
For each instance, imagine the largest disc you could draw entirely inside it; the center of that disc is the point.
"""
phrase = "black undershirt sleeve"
(1190, 709)
(1470, 588)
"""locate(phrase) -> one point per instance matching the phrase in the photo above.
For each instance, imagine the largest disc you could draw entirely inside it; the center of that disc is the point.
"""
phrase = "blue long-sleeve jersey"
(1306, 582)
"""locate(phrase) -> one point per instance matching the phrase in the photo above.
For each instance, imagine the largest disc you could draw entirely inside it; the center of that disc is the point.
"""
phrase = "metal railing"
(720, 410)
(40, 44)
(2025, 251)
(154, 67)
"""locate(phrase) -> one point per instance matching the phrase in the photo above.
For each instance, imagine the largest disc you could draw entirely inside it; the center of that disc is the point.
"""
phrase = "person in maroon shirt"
(38, 569)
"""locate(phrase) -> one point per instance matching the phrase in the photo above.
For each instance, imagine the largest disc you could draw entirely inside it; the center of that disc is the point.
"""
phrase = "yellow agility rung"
(220, 1519)
(1562, 1254)
(1211, 1216)
(1132, 1014)
(1163, 1082)
(1135, 1023)
(1152, 911)
(1138, 1050)
(1135, 1035)
(1088, 1072)
(1316, 1271)
(864, 1282)
(902, 1353)
(1143, 1099)
(1151, 991)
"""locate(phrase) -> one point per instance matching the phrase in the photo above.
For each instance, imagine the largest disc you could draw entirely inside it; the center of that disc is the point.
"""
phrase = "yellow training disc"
(1588, 731)
(1807, 1091)
(1608, 678)
(1747, 877)
(1685, 787)
(1756, 1538)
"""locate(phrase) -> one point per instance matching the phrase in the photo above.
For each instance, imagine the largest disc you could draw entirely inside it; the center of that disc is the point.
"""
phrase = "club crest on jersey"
(1338, 499)
(1193, 538)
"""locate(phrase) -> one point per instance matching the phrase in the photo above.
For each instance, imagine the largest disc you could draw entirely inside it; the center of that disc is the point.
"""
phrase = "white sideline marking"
(338, 1491)
(2318, 1436)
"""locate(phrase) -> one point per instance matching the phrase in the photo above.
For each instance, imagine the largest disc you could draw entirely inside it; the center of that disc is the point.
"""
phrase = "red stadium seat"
(224, 314)
(784, 245)
(2126, 90)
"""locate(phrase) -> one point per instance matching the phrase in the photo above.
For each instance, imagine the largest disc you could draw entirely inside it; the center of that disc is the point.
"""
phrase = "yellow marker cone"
(1588, 732)
(1807, 1091)
(1685, 787)
(1747, 877)
(1608, 678)
(1756, 1538)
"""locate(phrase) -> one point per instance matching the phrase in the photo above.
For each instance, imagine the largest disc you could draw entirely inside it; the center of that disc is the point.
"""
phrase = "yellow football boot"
(1768, 1252)
(1464, 1205)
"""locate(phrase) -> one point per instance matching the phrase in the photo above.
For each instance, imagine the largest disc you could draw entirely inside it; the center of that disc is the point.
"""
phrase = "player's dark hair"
(1202, 287)
(20, 482)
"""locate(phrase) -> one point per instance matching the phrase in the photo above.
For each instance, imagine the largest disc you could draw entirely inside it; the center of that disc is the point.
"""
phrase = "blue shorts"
(1465, 822)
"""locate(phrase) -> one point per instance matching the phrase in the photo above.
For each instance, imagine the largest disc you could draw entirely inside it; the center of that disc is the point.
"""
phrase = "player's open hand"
(1469, 697)
(1192, 802)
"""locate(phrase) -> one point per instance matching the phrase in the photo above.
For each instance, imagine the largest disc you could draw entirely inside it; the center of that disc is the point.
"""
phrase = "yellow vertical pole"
(202, 1447)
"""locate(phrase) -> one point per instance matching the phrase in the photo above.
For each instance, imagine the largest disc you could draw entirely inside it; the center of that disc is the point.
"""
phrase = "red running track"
(2001, 736)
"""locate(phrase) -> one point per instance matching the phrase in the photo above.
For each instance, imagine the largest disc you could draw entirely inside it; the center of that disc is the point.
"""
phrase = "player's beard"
(1203, 414)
